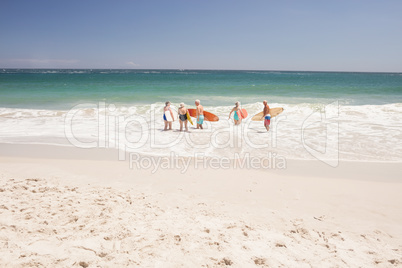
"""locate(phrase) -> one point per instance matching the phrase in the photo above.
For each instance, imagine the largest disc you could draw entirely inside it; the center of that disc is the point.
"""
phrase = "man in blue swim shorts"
(200, 114)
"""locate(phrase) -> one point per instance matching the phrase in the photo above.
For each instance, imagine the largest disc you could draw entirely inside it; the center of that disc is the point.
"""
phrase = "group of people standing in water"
(182, 115)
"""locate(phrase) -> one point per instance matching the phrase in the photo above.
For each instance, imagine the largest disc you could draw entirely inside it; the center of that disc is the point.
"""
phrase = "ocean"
(327, 115)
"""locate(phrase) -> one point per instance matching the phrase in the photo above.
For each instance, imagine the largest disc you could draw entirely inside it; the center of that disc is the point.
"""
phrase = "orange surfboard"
(244, 112)
(207, 115)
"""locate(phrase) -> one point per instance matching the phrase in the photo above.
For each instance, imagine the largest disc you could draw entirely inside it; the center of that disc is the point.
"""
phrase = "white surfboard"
(168, 115)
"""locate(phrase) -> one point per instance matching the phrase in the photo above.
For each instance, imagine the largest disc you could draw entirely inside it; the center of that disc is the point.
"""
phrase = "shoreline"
(75, 207)
(20, 150)
(355, 170)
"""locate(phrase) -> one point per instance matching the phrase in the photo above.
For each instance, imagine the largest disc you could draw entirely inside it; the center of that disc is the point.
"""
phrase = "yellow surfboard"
(189, 118)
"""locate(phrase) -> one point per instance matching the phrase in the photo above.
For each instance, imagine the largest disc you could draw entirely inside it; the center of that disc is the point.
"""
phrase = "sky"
(322, 35)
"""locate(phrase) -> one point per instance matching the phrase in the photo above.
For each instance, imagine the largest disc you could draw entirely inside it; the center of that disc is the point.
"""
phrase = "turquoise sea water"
(346, 116)
(60, 89)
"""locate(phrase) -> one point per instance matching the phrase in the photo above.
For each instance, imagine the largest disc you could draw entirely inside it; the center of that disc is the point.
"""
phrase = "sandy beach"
(68, 207)
(201, 134)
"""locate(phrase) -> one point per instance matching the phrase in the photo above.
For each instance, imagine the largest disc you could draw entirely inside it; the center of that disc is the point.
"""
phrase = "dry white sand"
(65, 212)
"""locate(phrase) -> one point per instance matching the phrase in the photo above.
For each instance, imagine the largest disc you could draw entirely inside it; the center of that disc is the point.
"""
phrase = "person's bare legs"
(199, 126)
(181, 125)
(185, 124)
(166, 125)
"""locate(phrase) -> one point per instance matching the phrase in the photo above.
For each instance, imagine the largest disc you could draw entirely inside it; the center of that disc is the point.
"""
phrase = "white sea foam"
(302, 131)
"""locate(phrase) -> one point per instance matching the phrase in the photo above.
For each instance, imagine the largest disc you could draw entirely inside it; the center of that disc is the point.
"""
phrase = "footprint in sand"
(260, 261)
(226, 261)
(280, 245)
(177, 238)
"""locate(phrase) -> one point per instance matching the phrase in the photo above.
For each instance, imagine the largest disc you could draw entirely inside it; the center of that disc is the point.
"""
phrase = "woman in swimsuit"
(183, 116)
(237, 112)
(167, 108)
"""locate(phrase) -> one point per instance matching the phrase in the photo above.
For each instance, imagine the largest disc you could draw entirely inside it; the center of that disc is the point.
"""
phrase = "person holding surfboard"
(266, 115)
(168, 122)
(237, 111)
(200, 114)
(182, 116)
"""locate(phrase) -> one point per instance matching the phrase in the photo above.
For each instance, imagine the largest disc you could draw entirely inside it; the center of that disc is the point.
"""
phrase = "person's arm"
(231, 113)
(263, 112)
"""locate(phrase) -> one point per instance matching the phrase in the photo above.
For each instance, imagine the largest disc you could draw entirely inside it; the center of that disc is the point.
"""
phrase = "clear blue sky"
(333, 35)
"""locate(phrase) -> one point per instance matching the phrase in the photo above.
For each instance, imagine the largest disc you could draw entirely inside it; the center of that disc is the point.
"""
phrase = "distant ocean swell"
(62, 89)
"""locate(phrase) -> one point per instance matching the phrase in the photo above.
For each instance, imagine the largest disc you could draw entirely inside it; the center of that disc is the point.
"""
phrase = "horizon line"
(202, 69)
